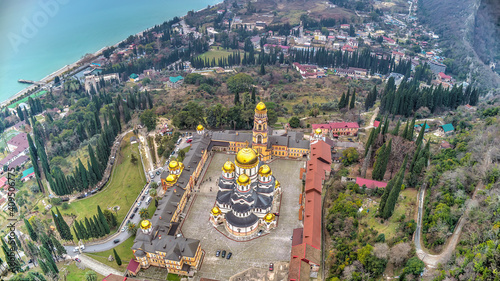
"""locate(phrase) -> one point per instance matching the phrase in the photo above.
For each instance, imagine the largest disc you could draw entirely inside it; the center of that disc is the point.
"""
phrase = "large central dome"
(247, 156)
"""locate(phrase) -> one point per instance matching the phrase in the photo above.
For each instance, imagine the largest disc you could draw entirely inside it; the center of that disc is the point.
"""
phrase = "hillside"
(467, 34)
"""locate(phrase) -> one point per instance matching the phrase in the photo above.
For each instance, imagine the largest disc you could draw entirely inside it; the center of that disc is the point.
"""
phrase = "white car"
(139, 203)
(123, 229)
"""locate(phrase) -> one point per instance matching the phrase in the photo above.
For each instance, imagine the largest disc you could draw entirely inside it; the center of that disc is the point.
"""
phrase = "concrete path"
(98, 266)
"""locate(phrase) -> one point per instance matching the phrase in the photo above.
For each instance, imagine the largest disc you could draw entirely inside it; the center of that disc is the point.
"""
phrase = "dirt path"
(375, 113)
(433, 261)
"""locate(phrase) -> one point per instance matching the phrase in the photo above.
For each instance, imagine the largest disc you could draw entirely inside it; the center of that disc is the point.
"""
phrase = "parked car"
(123, 229)
(149, 200)
(147, 191)
(158, 172)
(75, 250)
(189, 140)
(139, 203)
(223, 254)
(143, 196)
(229, 255)
(271, 267)
(132, 216)
(217, 254)
(260, 233)
(116, 241)
(136, 209)
(78, 260)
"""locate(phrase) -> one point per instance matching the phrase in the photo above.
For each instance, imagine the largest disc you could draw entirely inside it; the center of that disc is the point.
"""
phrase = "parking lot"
(272, 247)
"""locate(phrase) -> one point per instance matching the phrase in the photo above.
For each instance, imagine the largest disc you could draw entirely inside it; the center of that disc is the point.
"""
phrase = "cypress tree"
(411, 130)
(380, 165)
(99, 227)
(89, 229)
(117, 258)
(254, 100)
(43, 266)
(346, 101)
(405, 131)
(96, 166)
(83, 175)
(421, 134)
(342, 101)
(353, 100)
(31, 232)
(57, 224)
(51, 264)
(103, 220)
(64, 226)
(236, 98)
(78, 236)
(370, 140)
(395, 131)
(262, 69)
(396, 189)
(386, 126)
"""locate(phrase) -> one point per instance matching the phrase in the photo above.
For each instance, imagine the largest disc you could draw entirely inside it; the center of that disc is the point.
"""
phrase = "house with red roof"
(339, 128)
(370, 183)
(376, 123)
(443, 77)
(18, 146)
(3, 181)
(133, 267)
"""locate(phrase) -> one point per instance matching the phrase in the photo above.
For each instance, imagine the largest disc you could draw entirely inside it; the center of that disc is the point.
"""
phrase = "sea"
(38, 37)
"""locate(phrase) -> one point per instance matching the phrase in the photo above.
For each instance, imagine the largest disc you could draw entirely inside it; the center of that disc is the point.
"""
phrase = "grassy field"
(126, 181)
(123, 250)
(217, 54)
(25, 100)
(75, 273)
(405, 206)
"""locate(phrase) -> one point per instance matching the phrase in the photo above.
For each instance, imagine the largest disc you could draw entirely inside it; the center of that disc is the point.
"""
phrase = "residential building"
(447, 129)
(418, 127)
(443, 77)
(18, 146)
(175, 82)
(437, 67)
(336, 129)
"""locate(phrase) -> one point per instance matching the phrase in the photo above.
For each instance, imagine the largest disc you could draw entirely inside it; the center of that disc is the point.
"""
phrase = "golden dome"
(171, 178)
(269, 217)
(228, 167)
(215, 211)
(199, 128)
(145, 224)
(247, 156)
(318, 131)
(260, 106)
(278, 184)
(174, 165)
(265, 171)
(243, 180)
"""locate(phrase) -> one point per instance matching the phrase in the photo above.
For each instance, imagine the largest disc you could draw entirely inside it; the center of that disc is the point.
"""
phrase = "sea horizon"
(41, 37)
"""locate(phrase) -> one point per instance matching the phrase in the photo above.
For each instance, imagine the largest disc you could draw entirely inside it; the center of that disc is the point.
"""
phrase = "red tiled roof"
(322, 151)
(133, 266)
(336, 125)
(370, 183)
(376, 123)
(444, 76)
(3, 181)
(312, 219)
(297, 236)
(19, 140)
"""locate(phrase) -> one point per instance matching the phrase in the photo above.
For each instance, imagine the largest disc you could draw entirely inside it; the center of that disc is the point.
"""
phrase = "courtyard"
(258, 253)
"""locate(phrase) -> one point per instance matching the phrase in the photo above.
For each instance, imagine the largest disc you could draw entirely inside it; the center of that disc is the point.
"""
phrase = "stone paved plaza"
(273, 247)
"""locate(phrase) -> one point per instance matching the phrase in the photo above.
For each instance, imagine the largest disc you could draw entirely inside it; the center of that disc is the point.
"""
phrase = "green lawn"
(151, 208)
(5, 137)
(76, 274)
(25, 100)
(173, 277)
(404, 206)
(123, 250)
(126, 181)
(217, 54)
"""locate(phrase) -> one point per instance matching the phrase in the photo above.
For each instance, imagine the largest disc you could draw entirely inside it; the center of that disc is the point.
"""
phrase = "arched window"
(259, 138)
(260, 127)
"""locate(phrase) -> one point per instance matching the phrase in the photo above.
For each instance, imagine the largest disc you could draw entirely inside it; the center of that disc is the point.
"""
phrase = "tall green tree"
(396, 189)
(421, 134)
(103, 220)
(395, 131)
(117, 258)
(370, 140)
(380, 166)
(31, 232)
(353, 100)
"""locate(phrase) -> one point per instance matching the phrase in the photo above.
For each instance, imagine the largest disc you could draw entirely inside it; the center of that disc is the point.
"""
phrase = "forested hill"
(469, 30)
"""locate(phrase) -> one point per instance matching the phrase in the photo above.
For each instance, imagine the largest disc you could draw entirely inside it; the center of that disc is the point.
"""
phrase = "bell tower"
(260, 130)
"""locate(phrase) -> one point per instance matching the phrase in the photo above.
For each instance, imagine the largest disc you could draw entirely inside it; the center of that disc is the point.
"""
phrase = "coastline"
(70, 67)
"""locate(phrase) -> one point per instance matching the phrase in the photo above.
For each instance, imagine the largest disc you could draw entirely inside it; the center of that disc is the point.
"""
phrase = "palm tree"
(132, 228)
(143, 213)
(153, 193)
(90, 276)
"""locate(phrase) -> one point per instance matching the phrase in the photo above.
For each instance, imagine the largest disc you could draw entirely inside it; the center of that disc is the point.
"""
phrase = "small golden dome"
(318, 131)
(228, 167)
(247, 156)
(174, 165)
(265, 171)
(278, 184)
(215, 211)
(199, 128)
(243, 180)
(269, 217)
(171, 178)
(145, 224)
(260, 106)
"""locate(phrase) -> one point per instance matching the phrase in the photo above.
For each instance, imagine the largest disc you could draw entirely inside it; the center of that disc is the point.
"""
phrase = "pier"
(30, 82)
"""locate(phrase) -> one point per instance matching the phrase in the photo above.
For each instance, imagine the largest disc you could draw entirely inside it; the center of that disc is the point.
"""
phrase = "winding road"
(430, 260)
